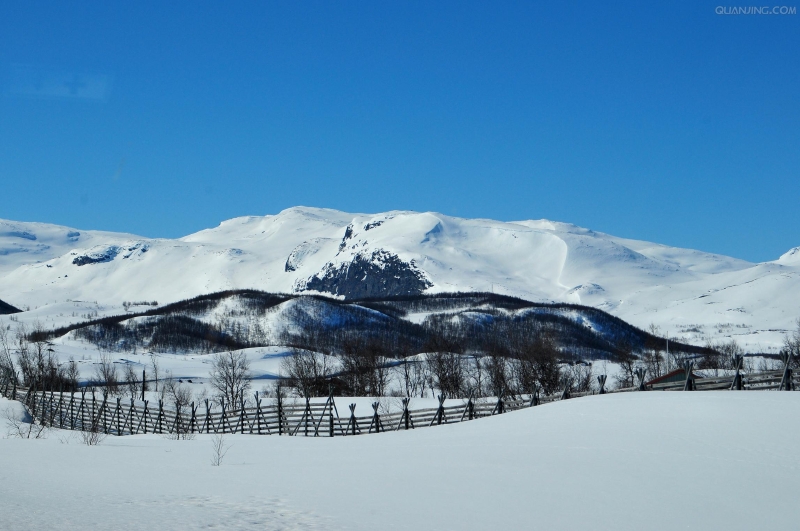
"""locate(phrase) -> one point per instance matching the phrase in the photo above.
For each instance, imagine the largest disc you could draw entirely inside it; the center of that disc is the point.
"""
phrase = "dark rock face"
(348, 233)
(97, 257)
(6, 309)
(380, 274)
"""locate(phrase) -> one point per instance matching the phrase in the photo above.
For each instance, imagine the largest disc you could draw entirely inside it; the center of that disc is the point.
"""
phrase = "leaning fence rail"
(89, 410)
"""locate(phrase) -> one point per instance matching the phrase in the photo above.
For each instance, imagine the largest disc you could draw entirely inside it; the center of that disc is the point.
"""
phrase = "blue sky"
(663, 122)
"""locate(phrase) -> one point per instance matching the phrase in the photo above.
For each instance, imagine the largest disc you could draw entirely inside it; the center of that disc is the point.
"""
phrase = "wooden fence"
(88, 410)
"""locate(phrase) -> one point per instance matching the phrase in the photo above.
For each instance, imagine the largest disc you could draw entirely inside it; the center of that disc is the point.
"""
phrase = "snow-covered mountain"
(689, 294)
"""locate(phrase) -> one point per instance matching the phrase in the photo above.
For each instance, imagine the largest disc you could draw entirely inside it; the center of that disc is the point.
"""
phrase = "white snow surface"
(690, 294)
(709, 460)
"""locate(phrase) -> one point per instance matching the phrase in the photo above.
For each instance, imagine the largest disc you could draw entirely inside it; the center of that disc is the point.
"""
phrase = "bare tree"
(414, 376)
(105, 374)
(497, 368)
(448, 373)
(132, 381)
(537, 364)
(230, 375)
(308, 372)
(723, 356)
(580, 377)
(179, 396)
(364, 368)
(155, 366)
(6, 361)
(628, 363)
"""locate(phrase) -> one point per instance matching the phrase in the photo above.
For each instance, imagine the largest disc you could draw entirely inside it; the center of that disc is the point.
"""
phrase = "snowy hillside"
(689, 294)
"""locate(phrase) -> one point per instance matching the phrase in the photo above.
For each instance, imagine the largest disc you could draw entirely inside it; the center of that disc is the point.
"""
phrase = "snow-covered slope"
(627, 461)
(690, 294)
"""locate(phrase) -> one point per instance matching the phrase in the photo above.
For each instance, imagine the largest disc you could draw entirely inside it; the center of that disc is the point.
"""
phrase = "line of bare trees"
(363, 368)
(36, 361)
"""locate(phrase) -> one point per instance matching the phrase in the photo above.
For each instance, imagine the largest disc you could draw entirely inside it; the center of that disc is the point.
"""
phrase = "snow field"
(710, 460)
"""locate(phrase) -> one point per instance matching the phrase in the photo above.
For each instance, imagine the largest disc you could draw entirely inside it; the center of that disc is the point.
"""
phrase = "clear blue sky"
(659, 121)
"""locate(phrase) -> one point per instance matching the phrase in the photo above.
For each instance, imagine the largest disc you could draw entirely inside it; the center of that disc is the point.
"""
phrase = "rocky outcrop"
(379, 274)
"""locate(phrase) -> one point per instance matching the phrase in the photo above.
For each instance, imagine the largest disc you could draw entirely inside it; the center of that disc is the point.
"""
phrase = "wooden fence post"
(144, 379)
(640, 375)
(103, 411)
(601, 379)
(437, 418)
(786, 379)
(737, 360)
(224, 417)
(280, 413)
(405, 418)
(72, 410)
(61, 406)
(469, 410)
(688, 366)
(376, 419)
(242, 415)
(119, 408)
(534, 396)
(330, 423)
(131, 410)
(160, 417)
(306, 415)
(258, 414)
(353, 420)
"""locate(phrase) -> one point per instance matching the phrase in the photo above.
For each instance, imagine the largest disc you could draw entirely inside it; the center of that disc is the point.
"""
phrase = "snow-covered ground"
(710, 460)
(691, 295)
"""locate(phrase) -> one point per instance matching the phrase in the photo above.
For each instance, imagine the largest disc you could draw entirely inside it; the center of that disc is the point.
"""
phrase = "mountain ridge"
(312, 250)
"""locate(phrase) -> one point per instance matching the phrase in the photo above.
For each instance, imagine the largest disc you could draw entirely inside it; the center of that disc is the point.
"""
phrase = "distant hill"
(395, 326)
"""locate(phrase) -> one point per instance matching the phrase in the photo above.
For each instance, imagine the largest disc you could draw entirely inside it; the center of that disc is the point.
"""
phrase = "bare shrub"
(93, 436)
(23, 428)
(219, 448)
